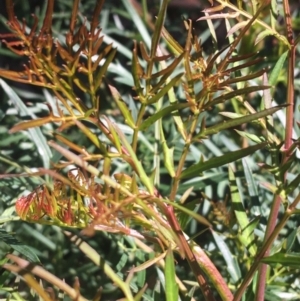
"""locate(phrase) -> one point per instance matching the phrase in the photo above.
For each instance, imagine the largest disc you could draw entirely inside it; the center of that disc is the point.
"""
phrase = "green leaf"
(122, 106)
(277, 68)
(237, 121)
(252, 137)
(174, 46)
(162, 113)
(165, 89)
(171, 285)
(286, 259)
(262, 35)
(198, 168)
(234, 94)
(246, 236)
(291, 240)
(158, 28)
(18, 246)
(252, 188)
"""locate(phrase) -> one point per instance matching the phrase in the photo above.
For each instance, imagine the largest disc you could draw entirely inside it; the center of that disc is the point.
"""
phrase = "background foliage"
(212, 195)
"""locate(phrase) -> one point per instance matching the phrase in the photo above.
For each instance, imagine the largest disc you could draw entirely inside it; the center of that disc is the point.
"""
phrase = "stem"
(182, 159)
(260, 292)
(138, 123)
(189, 255)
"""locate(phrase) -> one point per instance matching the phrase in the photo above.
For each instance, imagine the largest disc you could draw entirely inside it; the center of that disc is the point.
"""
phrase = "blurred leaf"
(277, 68)
(262, 35)
(200, 167)
(291, 240)
(15, 244)
(36, 134)
(231, 262)
(252, 137)
(291, 260)
(246, 236)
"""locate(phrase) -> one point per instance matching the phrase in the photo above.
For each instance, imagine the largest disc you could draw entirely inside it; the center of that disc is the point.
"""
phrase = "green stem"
(182, 158)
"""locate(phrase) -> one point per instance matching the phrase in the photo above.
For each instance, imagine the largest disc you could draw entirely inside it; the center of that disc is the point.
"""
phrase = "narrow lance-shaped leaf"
(242, 78)
(167, 152)
(158, 27)
(262, 35)
(277, 68)
(137, 164)
(92, 137)
(200, 167)
(122, 106)
(165, 89)
(235, 93)
(231, 263)
(237, 121)
(171, 285)
(137, 73)
(286, 259)
(103, 68)
(163, 112)
(172, 43)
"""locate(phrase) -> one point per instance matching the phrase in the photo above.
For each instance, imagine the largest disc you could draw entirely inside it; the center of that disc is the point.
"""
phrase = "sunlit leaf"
(171, 285)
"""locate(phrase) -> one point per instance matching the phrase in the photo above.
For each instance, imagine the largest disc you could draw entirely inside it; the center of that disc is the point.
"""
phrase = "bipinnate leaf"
(171, 285)
(214, 162)
(18, 246)
(291, 260)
